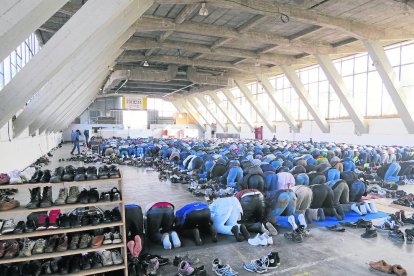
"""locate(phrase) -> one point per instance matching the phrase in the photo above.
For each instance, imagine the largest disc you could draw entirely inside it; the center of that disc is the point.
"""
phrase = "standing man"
(86, 133)
(75, 140)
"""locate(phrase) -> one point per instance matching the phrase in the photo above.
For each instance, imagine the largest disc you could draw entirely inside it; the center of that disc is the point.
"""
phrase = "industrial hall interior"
(206, 137)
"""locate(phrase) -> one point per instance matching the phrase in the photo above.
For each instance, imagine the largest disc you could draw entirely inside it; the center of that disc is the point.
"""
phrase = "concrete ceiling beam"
(306, 98)
(213, 96)
(275, 59)
(391, 82)
(18, 19)
(338, 84)
(231, 100)
(94, 16)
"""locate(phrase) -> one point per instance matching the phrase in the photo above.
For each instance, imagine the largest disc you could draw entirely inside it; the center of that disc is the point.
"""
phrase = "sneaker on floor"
(178, 259)
(295, 236)
(222, 270)
(257, 240)
(267, 238)
(396, 235)
(369, 233)
(185, 269)
(258, 266)
(381, 266)
(153, 266)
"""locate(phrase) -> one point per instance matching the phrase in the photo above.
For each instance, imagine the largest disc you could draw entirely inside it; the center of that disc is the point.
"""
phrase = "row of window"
(18, 59)
(368, 94)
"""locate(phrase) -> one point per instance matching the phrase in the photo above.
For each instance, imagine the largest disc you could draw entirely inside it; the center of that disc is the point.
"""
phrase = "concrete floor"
(325, 253)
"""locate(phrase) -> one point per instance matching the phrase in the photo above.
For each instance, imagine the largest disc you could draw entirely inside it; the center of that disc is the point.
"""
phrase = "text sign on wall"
(134, 102)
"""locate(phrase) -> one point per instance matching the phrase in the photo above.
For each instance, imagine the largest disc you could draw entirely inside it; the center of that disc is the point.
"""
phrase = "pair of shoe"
(369, 233)
(135, 246)
(361, 223)
(48, 221)
(91, 196)
(363, 208)
(396, 234)
(84, 240)
(269, 261)
(240, 233)
(112, 238)
(297, 234)
(387, 268)
(9, 249)
(263, 239)
(113, 195)
(37, 199)
(168, 237)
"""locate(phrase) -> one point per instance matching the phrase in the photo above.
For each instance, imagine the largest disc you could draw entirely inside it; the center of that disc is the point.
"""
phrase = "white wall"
(24, 150)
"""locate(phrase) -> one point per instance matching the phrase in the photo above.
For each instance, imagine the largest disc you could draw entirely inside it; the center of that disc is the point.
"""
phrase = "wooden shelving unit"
(116, 182)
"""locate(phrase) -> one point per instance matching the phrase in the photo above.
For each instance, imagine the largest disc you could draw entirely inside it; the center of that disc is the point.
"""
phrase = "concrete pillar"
(238, 108)
(94, 16)
(192, 104)
(268, 88)
(341, 90)
(259, 110)
(391, 82)
(306, 98)
(205, 104)
(226, 113)
(18, 19)
(196, 116)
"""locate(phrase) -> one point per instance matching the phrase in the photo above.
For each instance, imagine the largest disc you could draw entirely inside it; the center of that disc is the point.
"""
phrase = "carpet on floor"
(349, 217)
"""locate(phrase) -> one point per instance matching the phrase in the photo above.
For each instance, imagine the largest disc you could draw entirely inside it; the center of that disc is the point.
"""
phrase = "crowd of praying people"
(272, 184)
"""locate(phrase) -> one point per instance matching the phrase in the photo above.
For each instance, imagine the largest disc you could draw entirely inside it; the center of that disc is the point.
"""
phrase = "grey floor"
(325, 253)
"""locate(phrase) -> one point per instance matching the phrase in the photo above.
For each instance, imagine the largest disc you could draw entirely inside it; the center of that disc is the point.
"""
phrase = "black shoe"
(80, 174)
(57, 176)
(409, 235)
(36, 177)
(93, 195)
(107, 217)
(115, 194)
(336, 228)
(197, 238)
(396, 235)
(295, 236)
(96, 260)
(46, 197)
(30, 226)
(235, 231)
(51, 244)
(91, 173)
(54, 265)
(20, 227)
(94, 219)
(75, 264)
(35, 268)
(83, 197)
(274, 260)
(362, 223)
(116, 215)
(63, 265)
(75, 220)
(85, 220)
(114, 172)
(244, 232)
(13, 271)
(64, 221)
(69, 174)
(103, 172)
(105, 197)
(86, 262)
(46, 268)
(369, 233)
(34, 198)
(46, 176)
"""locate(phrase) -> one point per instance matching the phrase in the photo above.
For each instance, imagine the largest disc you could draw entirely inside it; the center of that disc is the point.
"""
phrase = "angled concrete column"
(391, 82)
(93, 51)
(342, 91)
(268, 88)
(238, 108)
(205, 104)
(53, 103)
(179, 104)
(18, 19)
(94, 16)
(226, 113)
(306, 98)
(192, 104)
(49, 115)
(259, 110)
(180, 107)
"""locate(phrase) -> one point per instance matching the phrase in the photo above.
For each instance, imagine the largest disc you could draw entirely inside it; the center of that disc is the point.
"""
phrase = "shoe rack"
(114, 182)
